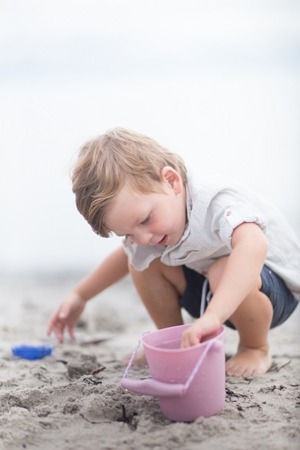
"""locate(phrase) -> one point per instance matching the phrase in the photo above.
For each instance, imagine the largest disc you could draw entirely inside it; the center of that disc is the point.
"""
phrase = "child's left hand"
(205, 326)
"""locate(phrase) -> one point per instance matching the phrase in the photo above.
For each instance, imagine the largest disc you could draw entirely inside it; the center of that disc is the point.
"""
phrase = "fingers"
(189, 338)
(59, 333)
(56, 327)
(203, 327)
(51, 324)
(58, 323)
(67, 315)
(71, 329)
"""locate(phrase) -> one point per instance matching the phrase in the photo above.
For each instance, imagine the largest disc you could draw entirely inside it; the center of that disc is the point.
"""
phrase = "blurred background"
(216, 81)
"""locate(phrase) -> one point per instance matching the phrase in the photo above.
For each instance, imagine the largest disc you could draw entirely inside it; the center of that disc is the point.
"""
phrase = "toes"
(234, 373)
(233, 370)
(247, 364)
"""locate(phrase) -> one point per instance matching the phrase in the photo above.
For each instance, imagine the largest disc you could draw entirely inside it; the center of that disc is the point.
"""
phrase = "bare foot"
(249, 362)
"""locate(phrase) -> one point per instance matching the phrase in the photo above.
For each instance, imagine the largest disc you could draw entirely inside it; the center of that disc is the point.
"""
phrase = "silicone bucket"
(189, 382)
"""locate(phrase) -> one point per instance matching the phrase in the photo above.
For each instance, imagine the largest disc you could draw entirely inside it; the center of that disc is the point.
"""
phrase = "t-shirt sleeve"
(236, 214)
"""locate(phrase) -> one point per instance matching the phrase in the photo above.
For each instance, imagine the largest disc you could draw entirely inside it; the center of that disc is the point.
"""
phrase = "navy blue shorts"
(197, 295)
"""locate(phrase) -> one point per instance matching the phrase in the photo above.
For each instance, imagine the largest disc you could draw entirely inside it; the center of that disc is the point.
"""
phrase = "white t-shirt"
(214, 209)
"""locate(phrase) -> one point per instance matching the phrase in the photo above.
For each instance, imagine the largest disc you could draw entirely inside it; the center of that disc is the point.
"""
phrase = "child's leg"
(252, 319)
(160, 288)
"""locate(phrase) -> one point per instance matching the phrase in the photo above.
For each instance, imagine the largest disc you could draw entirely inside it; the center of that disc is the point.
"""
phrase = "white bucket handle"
(157, 388)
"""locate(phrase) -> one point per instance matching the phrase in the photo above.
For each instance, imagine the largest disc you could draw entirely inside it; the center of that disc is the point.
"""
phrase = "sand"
(72, 400)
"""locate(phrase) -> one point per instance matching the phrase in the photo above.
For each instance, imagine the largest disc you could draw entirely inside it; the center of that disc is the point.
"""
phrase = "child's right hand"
(204, 327)
(66, 316)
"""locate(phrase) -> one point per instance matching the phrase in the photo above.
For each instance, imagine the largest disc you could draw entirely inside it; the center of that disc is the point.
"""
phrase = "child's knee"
(157, 270)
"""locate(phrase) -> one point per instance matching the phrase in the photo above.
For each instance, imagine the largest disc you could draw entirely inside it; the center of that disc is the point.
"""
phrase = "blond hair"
(105, 163)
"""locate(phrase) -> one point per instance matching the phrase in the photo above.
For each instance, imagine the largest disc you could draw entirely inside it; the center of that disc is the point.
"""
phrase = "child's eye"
(144, 222)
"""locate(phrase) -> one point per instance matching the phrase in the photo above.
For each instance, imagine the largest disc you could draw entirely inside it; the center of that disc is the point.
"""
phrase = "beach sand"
(72, 400)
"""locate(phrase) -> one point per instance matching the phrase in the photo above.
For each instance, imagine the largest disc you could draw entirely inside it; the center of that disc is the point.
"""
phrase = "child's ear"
(172, 178)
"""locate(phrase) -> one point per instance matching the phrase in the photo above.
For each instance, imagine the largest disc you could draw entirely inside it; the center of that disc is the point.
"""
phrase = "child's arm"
(111, 270)
(240, 276)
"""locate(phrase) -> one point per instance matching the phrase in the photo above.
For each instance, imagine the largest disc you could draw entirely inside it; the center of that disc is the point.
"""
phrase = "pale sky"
(215, 80)
(139, 35)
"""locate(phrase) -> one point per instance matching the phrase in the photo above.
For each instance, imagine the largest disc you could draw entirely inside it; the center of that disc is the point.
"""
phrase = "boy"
(215, 249)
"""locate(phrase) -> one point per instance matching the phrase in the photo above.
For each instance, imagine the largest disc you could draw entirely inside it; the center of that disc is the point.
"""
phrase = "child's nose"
(143, 239)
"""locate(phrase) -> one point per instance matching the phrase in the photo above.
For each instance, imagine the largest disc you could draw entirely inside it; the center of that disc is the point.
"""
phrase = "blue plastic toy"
(31, 351)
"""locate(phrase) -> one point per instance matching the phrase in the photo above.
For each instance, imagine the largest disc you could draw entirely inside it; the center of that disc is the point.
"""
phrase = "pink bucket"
(189, 382)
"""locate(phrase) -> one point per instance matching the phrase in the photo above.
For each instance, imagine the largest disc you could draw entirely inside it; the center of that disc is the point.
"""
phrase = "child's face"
(150, 219)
